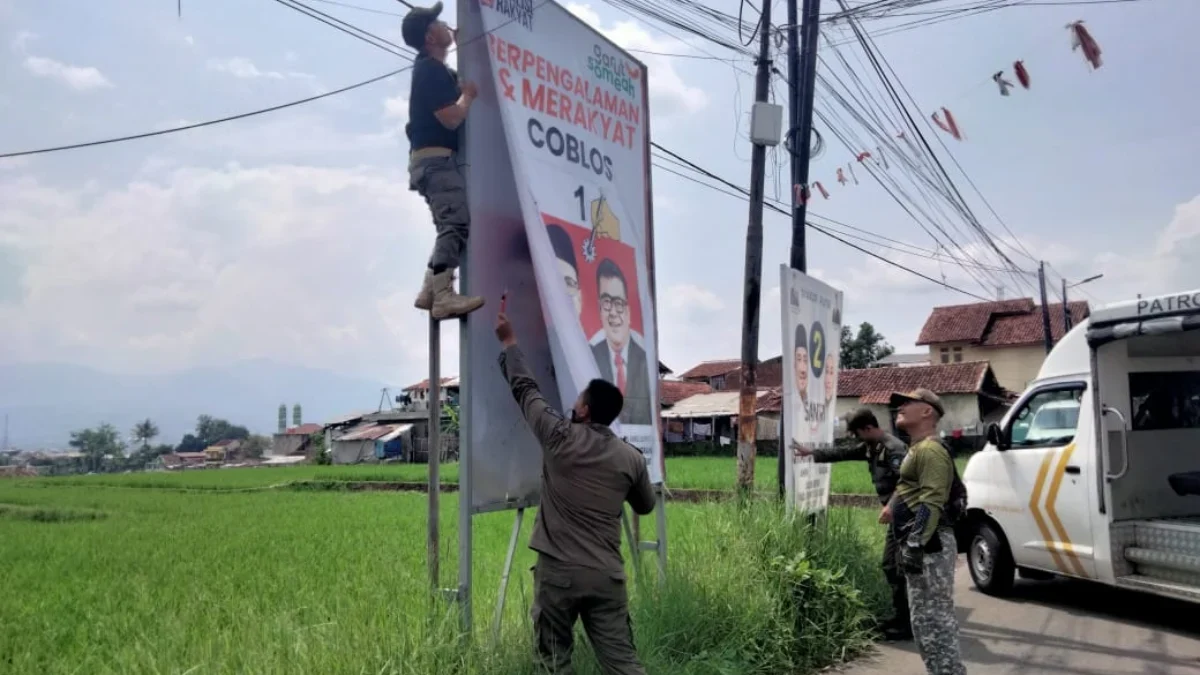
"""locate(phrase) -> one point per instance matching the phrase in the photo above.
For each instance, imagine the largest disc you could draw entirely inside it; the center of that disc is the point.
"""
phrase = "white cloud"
(396, 108)
(79, 78)
(191, 42)
(301, 264)
(22, 40)
(243, 68)
(669, 94)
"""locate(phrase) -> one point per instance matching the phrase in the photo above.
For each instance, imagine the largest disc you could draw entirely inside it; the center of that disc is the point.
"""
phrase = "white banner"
(812, 329)
(574, 113)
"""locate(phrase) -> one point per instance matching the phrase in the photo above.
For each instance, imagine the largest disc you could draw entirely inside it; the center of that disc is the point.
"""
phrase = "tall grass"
(335, 582)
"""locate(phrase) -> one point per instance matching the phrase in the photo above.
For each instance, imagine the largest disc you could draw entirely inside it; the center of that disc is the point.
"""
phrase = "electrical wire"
(239, 116)
(207, 123)
(818, 228)
(347, 28)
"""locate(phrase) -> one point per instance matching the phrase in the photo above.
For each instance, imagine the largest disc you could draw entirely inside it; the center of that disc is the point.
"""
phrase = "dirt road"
(1060, 628)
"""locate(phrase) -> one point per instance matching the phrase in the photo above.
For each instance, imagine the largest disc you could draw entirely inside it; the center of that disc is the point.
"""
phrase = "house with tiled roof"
(1008, 334)
(712, 373)
(969, 391)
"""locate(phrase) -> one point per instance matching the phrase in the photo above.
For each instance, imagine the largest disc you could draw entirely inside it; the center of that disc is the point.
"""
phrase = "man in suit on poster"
(621, 360)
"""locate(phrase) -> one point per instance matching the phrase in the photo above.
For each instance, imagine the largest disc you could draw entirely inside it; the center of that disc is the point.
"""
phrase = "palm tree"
(144, 432)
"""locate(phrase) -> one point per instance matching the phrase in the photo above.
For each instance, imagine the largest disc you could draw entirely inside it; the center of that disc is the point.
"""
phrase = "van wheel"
(990, 561)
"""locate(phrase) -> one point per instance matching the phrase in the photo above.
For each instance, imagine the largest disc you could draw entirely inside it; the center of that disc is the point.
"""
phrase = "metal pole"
(747, 415)
(802, 70)
(1066, 311)
(660, 514)
(508, 563)
(432, 456)
(1045, 308)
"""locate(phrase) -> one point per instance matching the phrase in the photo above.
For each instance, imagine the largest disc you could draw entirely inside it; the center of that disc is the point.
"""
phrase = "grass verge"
(335, 582)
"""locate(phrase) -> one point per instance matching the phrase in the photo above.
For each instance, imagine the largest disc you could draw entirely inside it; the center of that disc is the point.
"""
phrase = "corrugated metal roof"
(716, 404)
(400, 430)
(373, 432)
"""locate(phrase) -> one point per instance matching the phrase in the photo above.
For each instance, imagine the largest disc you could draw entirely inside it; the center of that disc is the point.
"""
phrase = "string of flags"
(1081, 40)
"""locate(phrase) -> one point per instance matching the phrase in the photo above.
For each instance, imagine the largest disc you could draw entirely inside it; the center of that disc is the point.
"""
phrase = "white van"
(1095, 471)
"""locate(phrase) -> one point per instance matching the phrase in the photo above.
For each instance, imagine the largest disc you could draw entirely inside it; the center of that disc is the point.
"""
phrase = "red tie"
(620, 372)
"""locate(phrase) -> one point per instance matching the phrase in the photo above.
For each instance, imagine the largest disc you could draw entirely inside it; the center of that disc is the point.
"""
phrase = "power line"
(208, 123)
(359, 7)
(349, 28)
(818, 228)
(252, 113)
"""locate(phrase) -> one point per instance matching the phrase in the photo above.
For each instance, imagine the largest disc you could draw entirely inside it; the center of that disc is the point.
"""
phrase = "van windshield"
(1054, 421)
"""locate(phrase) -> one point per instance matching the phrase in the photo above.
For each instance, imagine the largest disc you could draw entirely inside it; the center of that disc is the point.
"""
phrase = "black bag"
(956, 505)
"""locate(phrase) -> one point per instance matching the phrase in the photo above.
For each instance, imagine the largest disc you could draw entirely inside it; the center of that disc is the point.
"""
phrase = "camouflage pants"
(931, 595)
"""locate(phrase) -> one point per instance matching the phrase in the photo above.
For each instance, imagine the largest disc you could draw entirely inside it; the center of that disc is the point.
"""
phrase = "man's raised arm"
(547, 424)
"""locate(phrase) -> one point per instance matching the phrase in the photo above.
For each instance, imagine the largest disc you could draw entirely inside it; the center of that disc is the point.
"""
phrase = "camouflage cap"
(918, 396)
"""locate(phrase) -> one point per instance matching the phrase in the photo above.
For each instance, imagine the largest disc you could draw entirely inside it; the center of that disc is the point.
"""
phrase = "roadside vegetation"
(282, 581)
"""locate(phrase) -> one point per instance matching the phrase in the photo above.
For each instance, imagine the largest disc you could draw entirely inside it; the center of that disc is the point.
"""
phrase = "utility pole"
(748, 400)
(1045, 307)
(802, 73)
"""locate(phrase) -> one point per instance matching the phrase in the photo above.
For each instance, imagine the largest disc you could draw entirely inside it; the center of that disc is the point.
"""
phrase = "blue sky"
(292, 236)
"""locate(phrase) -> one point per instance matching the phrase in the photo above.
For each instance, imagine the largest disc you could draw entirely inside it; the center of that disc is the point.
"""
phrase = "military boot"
(448, 304)
(425, 295)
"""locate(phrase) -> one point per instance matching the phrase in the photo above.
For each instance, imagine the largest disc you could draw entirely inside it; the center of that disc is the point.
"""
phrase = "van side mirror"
(995, 437)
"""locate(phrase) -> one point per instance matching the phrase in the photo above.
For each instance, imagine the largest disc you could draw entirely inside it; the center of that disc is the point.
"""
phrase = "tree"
(255, 447)
(317, 449)
(144, 432)
(864, 349)
(96, 444)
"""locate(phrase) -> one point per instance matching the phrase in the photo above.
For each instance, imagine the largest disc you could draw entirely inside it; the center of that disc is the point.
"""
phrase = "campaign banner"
(812, 329)
(573, 119)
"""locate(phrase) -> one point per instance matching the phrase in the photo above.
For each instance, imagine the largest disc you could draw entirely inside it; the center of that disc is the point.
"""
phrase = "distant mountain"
(45, 402)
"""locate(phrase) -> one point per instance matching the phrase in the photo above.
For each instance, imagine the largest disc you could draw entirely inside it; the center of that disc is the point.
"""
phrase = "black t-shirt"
(434, 86)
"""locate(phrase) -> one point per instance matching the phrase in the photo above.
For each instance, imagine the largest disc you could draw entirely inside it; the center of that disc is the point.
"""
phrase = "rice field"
(708, 473)
(233, 579)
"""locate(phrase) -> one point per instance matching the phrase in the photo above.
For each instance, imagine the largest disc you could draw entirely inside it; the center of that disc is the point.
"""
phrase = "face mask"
(575, 418)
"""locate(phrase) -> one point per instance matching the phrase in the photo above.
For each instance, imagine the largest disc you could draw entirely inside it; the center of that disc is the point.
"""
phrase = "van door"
(1045, 458)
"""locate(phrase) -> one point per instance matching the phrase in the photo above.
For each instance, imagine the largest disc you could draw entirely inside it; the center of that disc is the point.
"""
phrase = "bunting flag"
(800, 194)
(1022, 74)
(1082, 39)
(949, 126)
(1004, 84)
(841, 176)
(863, 155)
(821, 189)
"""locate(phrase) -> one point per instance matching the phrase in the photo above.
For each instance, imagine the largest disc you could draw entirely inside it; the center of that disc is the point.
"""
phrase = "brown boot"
(446, 303)
(425, 295)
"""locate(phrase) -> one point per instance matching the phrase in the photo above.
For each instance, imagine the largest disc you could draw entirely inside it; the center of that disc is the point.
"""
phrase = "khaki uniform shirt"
(587, 476)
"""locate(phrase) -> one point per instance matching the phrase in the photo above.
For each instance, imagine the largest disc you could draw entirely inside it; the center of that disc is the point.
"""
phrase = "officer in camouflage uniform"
(883, 454)
(928, 551)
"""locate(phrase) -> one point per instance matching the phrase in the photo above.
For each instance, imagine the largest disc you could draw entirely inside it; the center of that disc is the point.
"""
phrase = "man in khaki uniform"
(587, 476)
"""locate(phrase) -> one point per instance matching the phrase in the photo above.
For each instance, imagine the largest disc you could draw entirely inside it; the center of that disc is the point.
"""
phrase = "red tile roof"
(875, 385)
(712, 369)
(772, 401)
(671, 392)
(424, 384)
(303, 430)
(1004, 323)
